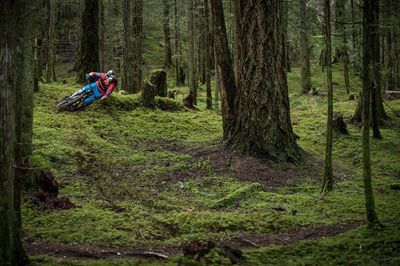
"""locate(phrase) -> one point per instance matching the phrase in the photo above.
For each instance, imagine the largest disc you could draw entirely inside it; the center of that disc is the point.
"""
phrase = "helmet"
(111, 75)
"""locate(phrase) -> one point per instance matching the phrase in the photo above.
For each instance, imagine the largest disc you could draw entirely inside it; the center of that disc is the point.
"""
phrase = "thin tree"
(207, 54)
(167, 35)
(127, 82)
(102, 27)
(177, 50)
(137, 24)
(50, 68)
(304, 47)
(89, 44)
(370, 24)
(327, 181)
(225, 77)
(191, 98)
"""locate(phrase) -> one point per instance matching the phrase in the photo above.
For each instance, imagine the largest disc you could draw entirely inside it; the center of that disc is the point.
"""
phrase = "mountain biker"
(104, 85)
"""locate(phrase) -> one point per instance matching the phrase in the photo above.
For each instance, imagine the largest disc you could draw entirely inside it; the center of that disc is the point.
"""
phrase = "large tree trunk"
(127, 82)
(50, 70)
(224, 71)
(89, 45)
(11, 250)
(304, 47)
(167, 36)
(263, 126)
(370, 26)
(137, 22)
(327, 181)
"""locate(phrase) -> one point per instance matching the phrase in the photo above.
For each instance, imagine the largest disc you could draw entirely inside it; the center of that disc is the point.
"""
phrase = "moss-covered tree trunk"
(262, 123)
(167, 35)
(50, 70)
(127, 80)
(370, 24)
(137, 24)
(225, 77)
(89, 45)
(11, 42)
(304, 47)
(327, 181)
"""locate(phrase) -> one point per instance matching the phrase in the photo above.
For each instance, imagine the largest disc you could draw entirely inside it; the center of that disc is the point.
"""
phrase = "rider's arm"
(111, 88)
(98, 75)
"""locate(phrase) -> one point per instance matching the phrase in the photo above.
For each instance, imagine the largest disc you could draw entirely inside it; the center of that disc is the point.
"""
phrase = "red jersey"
(103, 84)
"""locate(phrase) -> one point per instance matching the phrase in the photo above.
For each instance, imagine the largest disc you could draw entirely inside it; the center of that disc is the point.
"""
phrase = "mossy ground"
(138, 184)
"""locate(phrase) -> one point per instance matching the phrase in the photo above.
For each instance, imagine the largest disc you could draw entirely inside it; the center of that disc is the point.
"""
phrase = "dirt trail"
(55, 249)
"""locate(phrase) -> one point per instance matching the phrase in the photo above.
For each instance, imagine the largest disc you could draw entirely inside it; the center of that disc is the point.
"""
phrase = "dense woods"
(199, 132)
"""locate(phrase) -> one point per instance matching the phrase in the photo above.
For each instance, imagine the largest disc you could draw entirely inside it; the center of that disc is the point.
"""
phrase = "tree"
(370, 26)
(327, 181)
(167, 36)
(207, 54)
(11, 47)
(137, 24)
(191, 98)
(177, 45)
(89, 45)
(262, 125)
(225, 77)
(102, 27)
(304, 47)
(127, 82)
(50, 71)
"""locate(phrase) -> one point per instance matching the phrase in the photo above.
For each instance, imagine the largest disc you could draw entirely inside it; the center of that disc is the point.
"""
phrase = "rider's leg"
(94, 96)
(89, 100)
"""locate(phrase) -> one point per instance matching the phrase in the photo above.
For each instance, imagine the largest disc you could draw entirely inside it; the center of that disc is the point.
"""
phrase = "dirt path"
(55, 249)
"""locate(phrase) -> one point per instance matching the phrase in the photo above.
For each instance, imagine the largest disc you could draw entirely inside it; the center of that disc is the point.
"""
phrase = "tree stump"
(158, 78)
(189, 101)
(148, 95)
(339, 125)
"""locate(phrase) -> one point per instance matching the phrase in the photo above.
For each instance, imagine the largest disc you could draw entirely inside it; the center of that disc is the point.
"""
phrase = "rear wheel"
(73, 103)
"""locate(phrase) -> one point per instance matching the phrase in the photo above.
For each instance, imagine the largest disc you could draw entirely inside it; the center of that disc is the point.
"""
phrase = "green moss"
(139, 181)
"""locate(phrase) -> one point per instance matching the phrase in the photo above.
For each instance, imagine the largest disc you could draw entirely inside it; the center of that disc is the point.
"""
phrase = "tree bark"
(191, 59)
(102, 27)
(89, 45)
(137, 22)
(262, 124)
(177, 49)
(127, 80)
(304, 47)
(224, 69)
(11, 249)
(207, 53)
(327, 181)
(370, 24)
(167, 36)
(50, 70)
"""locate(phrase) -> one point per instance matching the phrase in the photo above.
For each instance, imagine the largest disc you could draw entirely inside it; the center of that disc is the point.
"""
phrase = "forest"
(199, 132)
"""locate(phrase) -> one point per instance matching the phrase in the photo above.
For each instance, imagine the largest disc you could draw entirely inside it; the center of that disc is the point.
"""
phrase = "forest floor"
(152, 180)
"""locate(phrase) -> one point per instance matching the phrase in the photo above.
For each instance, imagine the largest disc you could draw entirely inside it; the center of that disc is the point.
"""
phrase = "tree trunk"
(327, 181)
(224, 70)
(137, 22)
(207, 54)
(159, 79)
(304, 48)
(50, 71)
(167, 36)
(89, 45)
(11, 47)
(191, 59)
(370, 24)
(262, 124)
(177, 44)
(102, 27)
(127, 81)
